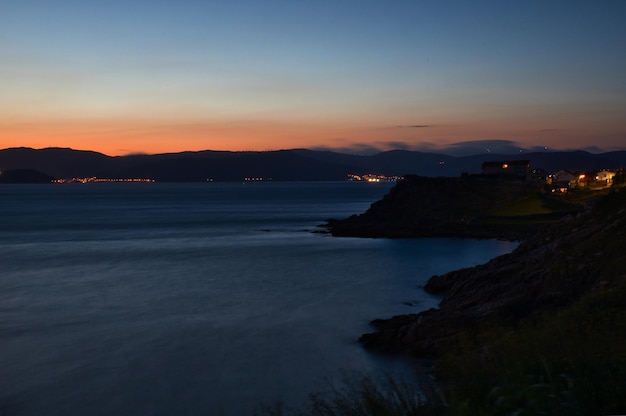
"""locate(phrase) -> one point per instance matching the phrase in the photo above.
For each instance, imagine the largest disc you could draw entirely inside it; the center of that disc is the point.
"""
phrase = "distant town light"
(371, 177)
(102, 180)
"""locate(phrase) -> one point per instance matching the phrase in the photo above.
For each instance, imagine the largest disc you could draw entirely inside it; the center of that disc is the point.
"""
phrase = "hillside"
(541, 330)
(24, 176)
(457, 207)
(281, 165)
(548, 271)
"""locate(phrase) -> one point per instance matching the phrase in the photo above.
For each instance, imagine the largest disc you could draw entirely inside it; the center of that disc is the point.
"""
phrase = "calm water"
(195, 299)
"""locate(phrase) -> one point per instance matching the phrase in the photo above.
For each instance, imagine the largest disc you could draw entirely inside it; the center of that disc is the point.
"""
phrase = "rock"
(446, 207)
(547, 272)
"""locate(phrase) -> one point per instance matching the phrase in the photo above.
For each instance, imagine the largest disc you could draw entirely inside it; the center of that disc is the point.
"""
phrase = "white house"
(605, 176)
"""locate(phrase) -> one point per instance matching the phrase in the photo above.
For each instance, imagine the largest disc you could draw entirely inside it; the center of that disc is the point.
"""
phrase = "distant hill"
(282, 165)
(24, 176)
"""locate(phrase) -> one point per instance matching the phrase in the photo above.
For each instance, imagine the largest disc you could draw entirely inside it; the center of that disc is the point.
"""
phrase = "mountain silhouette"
(283, 165)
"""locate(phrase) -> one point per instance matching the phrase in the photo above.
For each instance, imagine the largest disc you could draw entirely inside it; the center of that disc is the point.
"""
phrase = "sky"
(139, 76)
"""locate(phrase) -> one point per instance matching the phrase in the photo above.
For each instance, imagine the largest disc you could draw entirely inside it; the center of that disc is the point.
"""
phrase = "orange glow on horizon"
(123, 137)
(115, 137)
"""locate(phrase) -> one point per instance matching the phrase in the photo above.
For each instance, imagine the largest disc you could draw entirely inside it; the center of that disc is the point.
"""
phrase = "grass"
(530, 205)
(522, 220)
(570, 362)
(533, 207)
(361, 395)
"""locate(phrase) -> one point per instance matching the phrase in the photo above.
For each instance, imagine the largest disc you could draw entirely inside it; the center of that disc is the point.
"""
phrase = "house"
(581, 181)
(562, 177)
(605, 177)
(507, 168)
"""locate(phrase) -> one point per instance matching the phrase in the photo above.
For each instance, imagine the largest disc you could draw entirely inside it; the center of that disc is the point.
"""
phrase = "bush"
(569, 362)
(362, 395)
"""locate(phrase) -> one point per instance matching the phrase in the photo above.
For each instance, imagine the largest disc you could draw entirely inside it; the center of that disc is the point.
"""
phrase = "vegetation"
(475, 207)
(565, 363)
(572, 362)
(620, 178)
(361, 395)
(563, 359)
(532, 204)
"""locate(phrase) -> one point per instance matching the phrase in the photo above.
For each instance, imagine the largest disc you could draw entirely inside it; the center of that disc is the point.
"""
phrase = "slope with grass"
(547, 271)
(469, 206)
(540, 331)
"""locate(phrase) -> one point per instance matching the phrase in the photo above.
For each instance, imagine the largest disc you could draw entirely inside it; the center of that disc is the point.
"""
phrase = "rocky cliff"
(552, 267)
(473, 207)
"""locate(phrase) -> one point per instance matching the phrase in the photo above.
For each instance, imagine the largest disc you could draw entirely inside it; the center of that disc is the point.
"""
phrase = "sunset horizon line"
(465, 148)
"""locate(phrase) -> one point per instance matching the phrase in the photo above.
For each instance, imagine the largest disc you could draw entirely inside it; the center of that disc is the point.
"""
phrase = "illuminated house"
(605, 176)
(580, 181)
(507, 168)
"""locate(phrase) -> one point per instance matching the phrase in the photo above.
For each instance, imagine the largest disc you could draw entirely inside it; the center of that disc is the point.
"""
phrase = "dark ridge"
(550, 270)
(469, 206)
(284, 165)
(24, 176)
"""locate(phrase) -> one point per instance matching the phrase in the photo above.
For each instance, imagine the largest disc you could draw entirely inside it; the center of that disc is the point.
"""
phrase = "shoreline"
(537, 276)
(464, 207)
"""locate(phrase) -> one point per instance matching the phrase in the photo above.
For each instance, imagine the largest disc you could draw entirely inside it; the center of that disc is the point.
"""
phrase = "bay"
(196, 299)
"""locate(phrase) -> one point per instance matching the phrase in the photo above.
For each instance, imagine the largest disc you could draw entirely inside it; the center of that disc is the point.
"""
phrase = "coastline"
(547, 271)
(463, 207)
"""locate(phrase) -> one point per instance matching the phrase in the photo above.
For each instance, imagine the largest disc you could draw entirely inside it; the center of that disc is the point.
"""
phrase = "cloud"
(463, 148)
(416, 126)
(128, 152)
(353, 148)
(382, 146)
(395, 145)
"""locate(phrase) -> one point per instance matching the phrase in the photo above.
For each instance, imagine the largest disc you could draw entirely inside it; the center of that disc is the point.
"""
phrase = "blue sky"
(152, 76)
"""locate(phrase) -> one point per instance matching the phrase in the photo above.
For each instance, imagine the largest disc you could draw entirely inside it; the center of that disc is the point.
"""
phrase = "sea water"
(196, 299)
